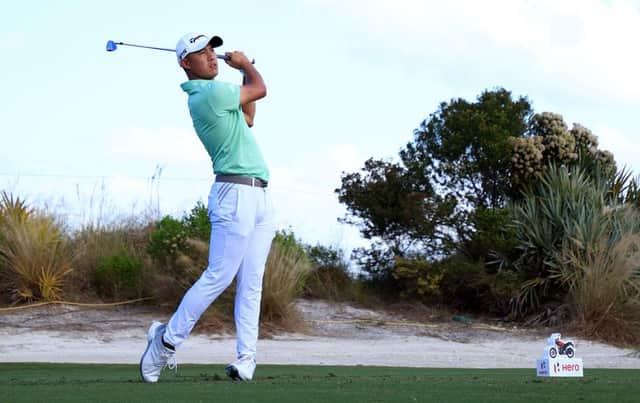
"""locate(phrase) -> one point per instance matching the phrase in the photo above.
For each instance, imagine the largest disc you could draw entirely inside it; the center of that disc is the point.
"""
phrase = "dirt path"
(339, 335)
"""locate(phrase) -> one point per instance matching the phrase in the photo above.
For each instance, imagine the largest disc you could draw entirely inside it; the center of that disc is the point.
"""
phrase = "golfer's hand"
(237, 60)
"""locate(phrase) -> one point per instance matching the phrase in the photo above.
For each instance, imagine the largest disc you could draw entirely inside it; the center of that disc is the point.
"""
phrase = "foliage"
(568, 232)
(493, 240)
(458, 162)
(550, 142)
(325, 256)
(172, 280)
(13, 207)
(167, 240)
(394, 211)
(287, 240)
(34, 252)
(448, 198)
(419, 277)
(564, 205)
(604, 283)
(286, 271)
(457, 282)
(119, 275)
(329, 278)
(463, 148)
(93, 243)
(197, 223)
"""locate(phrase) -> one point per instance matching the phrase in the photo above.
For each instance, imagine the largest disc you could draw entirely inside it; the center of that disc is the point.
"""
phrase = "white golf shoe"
(156, 357)
(242, 369)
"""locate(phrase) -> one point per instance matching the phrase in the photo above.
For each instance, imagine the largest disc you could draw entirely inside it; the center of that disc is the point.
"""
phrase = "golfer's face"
(204, 63)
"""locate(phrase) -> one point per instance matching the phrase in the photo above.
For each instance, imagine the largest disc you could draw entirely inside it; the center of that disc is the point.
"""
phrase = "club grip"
(224, 57)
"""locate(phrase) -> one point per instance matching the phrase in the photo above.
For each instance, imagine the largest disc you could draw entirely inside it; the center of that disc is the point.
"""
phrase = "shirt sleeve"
(224, 96)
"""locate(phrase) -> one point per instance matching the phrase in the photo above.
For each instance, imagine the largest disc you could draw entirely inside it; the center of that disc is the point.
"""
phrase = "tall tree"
(463, 148)
(397, 212)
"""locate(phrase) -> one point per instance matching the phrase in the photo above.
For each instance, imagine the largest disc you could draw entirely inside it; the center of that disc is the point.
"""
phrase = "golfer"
(240, 207)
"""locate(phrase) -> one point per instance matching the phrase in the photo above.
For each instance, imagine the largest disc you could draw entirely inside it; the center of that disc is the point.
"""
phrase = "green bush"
(458, 283)
(493, 240)
(94, 242)
(167, 240)
(197, 222)
(418, 277)
(566, 205)
(119, 275)
(329, 277)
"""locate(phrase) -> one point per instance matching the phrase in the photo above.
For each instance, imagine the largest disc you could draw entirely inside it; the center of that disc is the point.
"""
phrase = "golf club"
(112, 46)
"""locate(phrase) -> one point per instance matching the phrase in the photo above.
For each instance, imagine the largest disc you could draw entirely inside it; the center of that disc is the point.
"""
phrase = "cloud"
(584, 46)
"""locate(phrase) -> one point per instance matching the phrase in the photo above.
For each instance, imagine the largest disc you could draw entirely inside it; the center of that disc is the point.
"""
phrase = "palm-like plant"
(565, 204)
(580, 244)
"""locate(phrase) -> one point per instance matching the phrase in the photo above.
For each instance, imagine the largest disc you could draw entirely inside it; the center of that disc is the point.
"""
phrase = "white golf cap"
(193, 42)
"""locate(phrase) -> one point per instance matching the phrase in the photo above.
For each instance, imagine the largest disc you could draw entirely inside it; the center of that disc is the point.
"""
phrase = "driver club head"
(111, 46)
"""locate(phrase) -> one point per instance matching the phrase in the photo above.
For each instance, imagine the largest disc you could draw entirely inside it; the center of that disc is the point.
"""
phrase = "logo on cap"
(194, 39)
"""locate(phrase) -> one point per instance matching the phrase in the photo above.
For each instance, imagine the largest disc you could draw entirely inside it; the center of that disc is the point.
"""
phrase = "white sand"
(70, 334)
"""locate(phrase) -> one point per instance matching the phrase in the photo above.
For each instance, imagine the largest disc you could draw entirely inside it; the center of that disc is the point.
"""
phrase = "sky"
(95, 135)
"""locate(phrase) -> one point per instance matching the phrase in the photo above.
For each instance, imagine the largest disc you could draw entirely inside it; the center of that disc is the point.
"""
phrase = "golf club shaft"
(223, 57)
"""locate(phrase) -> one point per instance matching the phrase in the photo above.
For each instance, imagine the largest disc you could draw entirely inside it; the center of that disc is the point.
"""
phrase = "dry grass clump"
(605, 290)
(286, 271)
(95, 243)
(35, 256)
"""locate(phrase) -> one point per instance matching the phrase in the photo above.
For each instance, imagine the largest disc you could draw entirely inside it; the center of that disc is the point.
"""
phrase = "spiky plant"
(566, 204)
(604, 288)
(35, 254)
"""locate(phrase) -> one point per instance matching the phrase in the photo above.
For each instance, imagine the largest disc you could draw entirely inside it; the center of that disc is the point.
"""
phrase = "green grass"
(273, 383)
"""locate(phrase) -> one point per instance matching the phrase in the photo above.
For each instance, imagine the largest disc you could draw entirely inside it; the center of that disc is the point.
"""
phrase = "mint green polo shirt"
(219, 122)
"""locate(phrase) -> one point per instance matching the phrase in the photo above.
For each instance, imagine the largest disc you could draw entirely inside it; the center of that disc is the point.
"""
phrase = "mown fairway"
(273, 383)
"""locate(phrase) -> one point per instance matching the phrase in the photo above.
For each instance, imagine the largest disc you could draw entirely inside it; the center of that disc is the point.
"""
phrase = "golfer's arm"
(249, 109)
(253, 87)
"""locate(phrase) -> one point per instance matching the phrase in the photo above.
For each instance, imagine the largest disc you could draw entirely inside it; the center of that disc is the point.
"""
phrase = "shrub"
(329, 277)
(197, 223)
(550, 142)
(418, 277)
(34, 252)
(604, 282)
(170, 284)
(286, 270)
(565, 205)
(580, 255)
(119, 275)
(94, 243)
(493, 239)
(458, 283)
(167, 240)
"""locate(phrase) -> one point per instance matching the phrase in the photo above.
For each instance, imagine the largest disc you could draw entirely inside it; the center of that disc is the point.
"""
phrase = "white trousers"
(242, 228)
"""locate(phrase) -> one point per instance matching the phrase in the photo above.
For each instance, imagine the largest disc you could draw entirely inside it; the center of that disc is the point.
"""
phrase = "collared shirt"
(220, 124)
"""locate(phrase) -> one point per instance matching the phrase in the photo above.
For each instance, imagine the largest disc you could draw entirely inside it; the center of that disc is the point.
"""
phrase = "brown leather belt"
(242, 180)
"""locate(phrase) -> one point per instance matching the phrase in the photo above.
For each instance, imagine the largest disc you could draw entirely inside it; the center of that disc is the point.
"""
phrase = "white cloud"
(583, 46)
